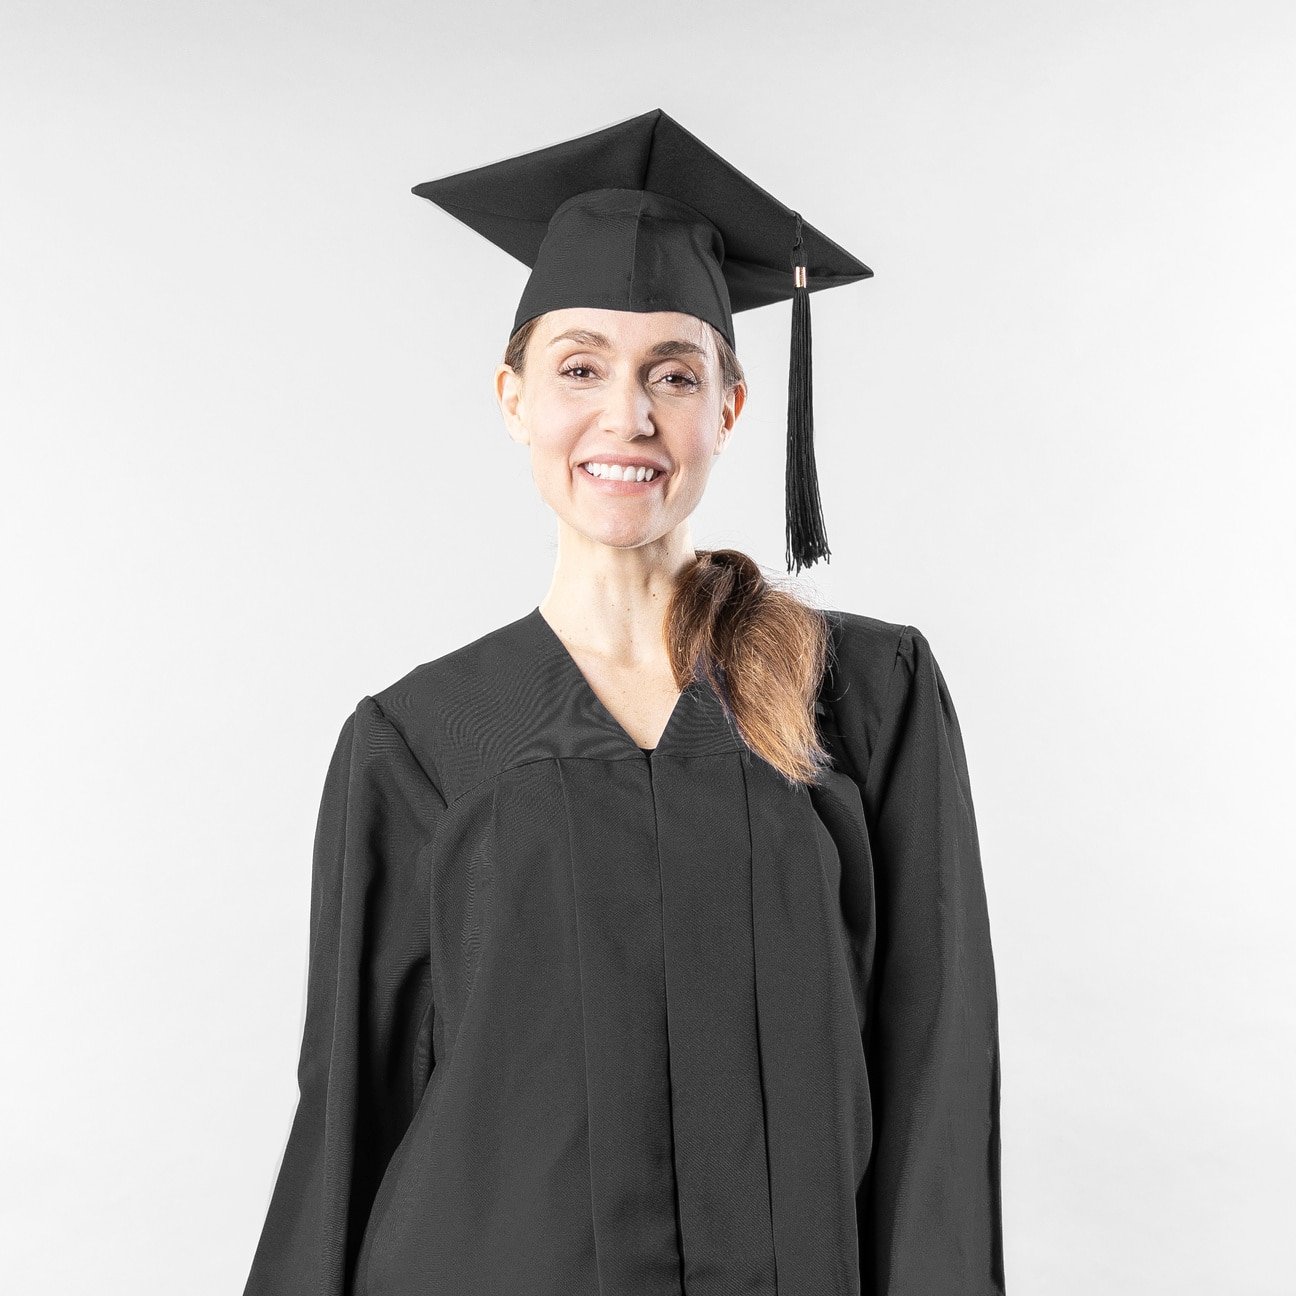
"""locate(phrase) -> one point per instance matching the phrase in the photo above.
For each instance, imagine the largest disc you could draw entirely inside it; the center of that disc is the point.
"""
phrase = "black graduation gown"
(583, 1021)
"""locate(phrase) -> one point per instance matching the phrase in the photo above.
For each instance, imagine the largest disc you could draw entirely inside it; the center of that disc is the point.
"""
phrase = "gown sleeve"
(366, 1053)
(932, 1214)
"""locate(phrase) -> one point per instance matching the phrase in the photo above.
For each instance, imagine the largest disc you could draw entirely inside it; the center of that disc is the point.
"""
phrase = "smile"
(618, 472)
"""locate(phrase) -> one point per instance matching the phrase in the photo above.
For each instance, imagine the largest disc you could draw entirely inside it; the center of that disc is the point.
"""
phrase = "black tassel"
(807, 541)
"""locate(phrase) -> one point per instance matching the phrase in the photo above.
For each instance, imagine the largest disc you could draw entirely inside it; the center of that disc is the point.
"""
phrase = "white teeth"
(618, 472)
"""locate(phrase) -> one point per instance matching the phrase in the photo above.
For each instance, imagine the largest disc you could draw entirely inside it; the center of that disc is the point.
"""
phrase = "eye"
(674, 378)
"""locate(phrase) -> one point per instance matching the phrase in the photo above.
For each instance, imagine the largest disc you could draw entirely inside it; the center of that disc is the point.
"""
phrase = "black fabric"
(584, 1024)
(640, 215)
(626, 249)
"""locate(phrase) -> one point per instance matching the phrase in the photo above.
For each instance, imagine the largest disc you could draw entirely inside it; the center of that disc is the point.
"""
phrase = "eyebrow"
(587, 337)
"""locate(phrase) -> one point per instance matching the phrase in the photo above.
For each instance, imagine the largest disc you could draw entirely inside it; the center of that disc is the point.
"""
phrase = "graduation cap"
(643, 216)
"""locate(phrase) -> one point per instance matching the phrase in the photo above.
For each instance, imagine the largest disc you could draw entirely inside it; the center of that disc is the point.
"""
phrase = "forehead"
(624, 330)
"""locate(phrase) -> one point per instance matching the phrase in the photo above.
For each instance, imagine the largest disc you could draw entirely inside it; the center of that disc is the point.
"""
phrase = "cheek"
(554, 420)
(698, 436)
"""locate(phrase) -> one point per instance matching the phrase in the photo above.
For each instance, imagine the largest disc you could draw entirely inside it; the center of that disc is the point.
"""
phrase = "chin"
(617, 537)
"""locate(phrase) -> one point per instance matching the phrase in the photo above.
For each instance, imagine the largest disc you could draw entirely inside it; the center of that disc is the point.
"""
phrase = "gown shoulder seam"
(886, 712)
(405, 743)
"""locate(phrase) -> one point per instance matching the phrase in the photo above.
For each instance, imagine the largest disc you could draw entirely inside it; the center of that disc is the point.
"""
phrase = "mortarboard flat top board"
(513, 202)
(642, 215)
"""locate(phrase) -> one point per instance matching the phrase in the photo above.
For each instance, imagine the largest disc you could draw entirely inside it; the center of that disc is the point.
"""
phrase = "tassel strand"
(807, 541)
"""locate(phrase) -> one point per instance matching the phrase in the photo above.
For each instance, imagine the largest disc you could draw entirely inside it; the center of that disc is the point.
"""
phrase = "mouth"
(621, 479)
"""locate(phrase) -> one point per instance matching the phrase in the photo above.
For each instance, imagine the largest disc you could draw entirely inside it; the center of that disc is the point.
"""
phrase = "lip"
(608, 486)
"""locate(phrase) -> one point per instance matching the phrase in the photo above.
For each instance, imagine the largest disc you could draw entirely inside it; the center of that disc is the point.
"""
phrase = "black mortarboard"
(643, 216)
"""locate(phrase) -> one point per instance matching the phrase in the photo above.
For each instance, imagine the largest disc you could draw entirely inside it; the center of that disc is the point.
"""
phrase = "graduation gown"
(583, 1021)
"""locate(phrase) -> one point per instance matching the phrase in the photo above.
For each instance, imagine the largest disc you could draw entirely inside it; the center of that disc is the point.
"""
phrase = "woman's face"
(610, 387)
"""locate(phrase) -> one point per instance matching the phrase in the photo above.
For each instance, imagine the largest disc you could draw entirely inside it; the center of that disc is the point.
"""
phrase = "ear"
(508, 393)
(730, 409)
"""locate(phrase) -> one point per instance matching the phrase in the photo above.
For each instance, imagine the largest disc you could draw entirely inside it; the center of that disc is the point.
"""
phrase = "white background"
(253, 470)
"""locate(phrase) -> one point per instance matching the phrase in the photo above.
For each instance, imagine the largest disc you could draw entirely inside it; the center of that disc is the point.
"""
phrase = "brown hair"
(759, 645)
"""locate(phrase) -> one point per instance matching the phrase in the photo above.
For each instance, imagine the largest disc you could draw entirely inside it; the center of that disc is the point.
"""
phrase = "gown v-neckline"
(582, 682)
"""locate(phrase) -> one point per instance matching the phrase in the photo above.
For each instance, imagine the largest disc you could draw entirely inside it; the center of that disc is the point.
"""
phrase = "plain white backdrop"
(253, 470)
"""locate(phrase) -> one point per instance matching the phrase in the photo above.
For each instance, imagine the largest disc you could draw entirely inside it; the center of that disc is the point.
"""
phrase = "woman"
(649, 949)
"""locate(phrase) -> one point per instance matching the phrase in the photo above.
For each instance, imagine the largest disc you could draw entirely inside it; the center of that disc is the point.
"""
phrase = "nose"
(627, 411)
